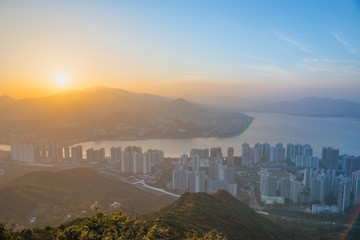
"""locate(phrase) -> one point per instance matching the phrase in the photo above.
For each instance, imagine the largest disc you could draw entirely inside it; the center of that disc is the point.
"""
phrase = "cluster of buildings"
(331, 177)
(207, 170)
(301, 155)
(205, 173)
(132, 159)
(45, 153)
(316, 186)
(262, 152)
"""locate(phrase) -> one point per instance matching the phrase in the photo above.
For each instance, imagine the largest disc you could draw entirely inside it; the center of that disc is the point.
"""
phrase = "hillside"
(55, 197)
(102, 226)
(106, 113)
(202, 213)
(194, 216)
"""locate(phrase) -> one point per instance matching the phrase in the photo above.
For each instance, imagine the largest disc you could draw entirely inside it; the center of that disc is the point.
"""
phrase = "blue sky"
(253, 49)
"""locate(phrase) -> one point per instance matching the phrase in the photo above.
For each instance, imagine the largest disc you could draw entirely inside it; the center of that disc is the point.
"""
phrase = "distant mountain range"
(51, 198)
(106, 113)
(314, 107)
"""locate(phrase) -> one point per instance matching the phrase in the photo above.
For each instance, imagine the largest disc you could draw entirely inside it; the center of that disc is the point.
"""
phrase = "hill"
(51, 198)
(202, 213)
(103, 112)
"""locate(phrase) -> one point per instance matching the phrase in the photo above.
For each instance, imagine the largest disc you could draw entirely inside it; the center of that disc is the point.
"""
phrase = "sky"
(267, 50)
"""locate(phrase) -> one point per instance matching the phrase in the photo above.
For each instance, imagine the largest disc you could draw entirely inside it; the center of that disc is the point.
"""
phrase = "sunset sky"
(253, 49)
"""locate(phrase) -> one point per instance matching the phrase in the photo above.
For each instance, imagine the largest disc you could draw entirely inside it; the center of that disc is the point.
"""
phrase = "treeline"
(103, 226)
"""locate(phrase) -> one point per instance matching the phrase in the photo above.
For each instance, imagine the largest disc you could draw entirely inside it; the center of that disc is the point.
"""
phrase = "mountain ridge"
(106, 113)
(310, 106)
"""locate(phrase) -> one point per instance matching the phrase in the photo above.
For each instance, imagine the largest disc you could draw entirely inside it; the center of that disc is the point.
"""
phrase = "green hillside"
(102, 226)
(56, 197)
(202, 213)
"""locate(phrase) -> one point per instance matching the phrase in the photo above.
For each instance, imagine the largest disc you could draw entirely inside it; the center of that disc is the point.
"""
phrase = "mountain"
(106, 113)
(202, 213)
(316, 107)
(53, 197)
(312, 107)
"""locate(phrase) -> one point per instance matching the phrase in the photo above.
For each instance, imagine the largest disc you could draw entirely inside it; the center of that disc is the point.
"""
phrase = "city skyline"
(260, 51)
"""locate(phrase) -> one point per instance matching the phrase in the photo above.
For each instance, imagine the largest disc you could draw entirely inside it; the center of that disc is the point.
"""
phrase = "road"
(253, 201)
(139, 183)
(142, 182)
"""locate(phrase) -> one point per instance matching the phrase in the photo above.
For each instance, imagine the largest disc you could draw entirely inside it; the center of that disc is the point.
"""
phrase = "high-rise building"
(183, 160)
(337, 180)
(290, 151)
(298, 149)
(280, 152)
(132, 160)
(331, 157)
(268, 184)
(197, 181)
(266, 152)
(308, 174)
(116, 154)
(180, 179)
(157, 156)
(344, 190)
(351, 165)
(331, 175)
(342, 161)
(277, 153)
(22, 152)
(318, 187)
(245, 155)
(195, 159)
(216, 169)
(76, 154)
(146, 163)
(285, 188)
(307, 151)
(230, 156)
(95, 155)
(257, 153)
(307, 161)
(202, 153)
(355, 187)
(137, 158)
(295, 187)
(215, 152)
(229, 174)
(272, 154)
(67, 158)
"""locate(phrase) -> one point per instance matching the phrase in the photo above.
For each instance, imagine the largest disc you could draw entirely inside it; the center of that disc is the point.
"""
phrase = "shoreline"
(72, 142)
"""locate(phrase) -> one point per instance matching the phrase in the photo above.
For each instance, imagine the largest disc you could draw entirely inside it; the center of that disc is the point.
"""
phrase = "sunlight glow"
(61, 80)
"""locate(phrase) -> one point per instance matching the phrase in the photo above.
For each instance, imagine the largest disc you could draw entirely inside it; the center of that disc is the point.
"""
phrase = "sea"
(273, 128)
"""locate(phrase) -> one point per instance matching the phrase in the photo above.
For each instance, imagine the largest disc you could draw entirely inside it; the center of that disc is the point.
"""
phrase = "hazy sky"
(254, 49)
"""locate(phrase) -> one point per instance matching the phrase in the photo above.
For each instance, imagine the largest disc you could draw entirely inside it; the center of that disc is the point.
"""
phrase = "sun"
(61, 80)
